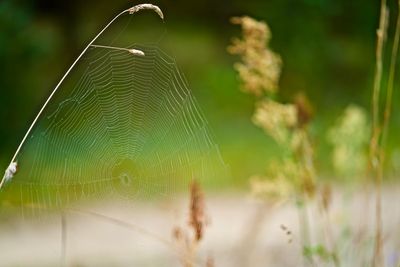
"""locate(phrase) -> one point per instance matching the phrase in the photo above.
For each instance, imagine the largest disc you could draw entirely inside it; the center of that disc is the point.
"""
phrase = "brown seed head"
(196, 220)
(304, 109)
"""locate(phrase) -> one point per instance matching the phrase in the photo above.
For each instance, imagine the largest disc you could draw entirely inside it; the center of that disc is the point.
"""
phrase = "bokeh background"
(327, 47)
(328, 53)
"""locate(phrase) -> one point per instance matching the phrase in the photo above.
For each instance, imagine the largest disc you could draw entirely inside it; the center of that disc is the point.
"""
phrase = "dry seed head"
(136, 52)
(259, 68)
(256, 32)
(10, 171)
(147, 7)
(304, 109)
(197, 217)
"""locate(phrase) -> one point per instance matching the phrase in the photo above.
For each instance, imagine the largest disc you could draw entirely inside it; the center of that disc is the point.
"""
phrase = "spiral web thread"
(129, 128)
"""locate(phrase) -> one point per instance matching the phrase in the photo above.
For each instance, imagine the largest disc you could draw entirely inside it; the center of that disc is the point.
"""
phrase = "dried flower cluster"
(260, 68)
(286, 123)
(276, 119)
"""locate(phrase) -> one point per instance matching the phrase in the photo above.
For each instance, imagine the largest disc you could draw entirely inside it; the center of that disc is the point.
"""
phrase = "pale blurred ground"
(232, 237)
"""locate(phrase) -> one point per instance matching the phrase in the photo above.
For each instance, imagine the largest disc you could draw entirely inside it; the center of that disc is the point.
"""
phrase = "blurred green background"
(327, 47)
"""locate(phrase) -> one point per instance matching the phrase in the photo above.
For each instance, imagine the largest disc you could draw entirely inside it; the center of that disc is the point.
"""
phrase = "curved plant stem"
(131, 10)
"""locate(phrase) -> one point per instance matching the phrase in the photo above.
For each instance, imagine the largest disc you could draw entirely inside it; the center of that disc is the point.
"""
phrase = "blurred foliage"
(327, 47)
(350, 137)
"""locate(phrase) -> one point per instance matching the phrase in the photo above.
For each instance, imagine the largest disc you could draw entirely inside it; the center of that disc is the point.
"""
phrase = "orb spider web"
(122, 125)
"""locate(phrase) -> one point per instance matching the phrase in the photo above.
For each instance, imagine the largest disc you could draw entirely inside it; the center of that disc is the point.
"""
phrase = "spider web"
(122, 126)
